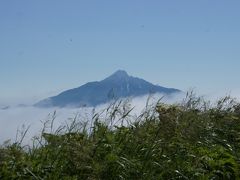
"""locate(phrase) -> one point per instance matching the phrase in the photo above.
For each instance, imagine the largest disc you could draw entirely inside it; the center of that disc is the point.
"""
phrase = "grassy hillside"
(191, 140)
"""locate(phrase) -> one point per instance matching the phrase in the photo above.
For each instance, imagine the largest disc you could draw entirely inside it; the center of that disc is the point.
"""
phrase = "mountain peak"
(119, 74)
(118, 85)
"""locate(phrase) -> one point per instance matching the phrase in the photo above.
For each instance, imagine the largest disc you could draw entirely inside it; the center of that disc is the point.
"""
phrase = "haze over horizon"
(51, 46)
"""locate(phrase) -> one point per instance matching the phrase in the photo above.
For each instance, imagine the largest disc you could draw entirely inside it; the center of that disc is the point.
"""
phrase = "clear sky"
(51, 45)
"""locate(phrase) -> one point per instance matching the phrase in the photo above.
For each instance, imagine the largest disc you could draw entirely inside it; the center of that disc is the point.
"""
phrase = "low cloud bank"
(18, 118)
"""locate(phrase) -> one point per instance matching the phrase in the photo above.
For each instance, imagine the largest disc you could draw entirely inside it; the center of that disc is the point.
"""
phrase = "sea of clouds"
(16, 119)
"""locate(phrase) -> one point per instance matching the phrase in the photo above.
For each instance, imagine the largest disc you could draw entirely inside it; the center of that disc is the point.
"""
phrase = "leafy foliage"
(191, 140)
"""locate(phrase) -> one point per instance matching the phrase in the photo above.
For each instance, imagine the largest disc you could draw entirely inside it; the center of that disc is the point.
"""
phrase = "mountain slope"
(118, 85)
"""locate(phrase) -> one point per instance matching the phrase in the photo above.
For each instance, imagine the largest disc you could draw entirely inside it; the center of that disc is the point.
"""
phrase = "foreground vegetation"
(190, 140)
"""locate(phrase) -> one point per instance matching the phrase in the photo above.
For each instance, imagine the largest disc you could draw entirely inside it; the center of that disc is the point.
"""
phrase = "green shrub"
(191, 140)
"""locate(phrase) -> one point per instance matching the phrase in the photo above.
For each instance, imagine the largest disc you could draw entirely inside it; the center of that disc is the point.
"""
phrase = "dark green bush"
(191, 140)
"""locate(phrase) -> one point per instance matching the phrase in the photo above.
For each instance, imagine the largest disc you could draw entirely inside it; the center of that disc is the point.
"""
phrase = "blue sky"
(48, 46)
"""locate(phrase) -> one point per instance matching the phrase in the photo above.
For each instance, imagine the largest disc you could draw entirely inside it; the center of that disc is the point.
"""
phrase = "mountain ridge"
(118, 85)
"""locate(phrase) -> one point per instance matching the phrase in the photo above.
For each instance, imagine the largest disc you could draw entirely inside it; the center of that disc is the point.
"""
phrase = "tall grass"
(194, 139)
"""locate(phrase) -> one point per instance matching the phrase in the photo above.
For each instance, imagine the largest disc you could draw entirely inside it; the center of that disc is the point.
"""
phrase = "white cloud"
(13, 118)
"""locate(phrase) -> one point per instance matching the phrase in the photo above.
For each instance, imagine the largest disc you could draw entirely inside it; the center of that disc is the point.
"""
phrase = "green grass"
(191, 140)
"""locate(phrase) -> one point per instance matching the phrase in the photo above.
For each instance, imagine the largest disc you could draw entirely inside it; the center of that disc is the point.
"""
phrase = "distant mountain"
(118, 85)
